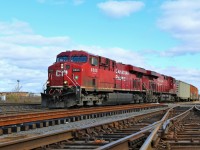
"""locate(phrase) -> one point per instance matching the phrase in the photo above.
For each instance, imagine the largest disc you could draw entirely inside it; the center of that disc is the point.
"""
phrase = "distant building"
(34, 94)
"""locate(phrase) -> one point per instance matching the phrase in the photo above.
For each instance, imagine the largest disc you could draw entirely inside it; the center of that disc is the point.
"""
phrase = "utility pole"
(18, 86)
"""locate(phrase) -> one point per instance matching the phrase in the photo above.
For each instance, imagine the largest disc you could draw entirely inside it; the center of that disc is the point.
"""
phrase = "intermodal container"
(193, 93)
(182, 90)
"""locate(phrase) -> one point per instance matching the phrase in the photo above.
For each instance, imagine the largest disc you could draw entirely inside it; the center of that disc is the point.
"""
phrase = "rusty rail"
(37, 141)
(183, 132)
(124, 142)
(164, 124)
(148, 141)
(38, 116)
(178, 117)
(41, 140)
(197, 108)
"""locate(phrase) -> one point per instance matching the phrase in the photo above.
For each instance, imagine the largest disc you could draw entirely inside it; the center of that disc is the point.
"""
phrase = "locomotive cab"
(64, 80)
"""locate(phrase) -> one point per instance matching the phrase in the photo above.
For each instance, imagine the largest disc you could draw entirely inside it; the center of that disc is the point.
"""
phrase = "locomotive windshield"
(81, 59)
(62, 58)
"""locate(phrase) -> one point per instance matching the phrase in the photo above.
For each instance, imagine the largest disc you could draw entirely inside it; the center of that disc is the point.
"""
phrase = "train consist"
(79, 78)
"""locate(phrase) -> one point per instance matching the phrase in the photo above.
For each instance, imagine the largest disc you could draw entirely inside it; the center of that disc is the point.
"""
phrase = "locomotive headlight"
(76, 77)
(61, 66)
(65, 82)
(48, 82)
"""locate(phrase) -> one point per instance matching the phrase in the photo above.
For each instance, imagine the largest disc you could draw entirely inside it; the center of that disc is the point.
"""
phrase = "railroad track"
(26, 121)
(129, 133)
(181, 132)
(14, 108)
(17, 104)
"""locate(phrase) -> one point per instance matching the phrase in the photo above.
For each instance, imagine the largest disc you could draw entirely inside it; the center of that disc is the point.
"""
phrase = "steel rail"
(46, 139)
(147, 144)
(31, 117)
(18, 104)
(167, 122)
(182, 133)
(124, 141)
(36, 141)
(197, 108)
(163, 119)
(136, 117)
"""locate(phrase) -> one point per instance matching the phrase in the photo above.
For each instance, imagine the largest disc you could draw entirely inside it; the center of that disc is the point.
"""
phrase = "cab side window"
(93, 61)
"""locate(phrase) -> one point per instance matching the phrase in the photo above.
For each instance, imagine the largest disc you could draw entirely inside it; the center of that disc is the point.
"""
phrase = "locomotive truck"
(79, 78)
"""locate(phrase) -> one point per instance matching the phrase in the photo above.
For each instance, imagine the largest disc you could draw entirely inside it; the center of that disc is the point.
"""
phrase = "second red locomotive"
(80, 78)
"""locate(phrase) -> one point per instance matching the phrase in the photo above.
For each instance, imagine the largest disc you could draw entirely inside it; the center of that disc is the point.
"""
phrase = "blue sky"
(163, 36)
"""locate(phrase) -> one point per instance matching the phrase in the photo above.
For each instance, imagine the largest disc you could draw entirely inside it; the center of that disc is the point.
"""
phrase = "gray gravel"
(77, 124)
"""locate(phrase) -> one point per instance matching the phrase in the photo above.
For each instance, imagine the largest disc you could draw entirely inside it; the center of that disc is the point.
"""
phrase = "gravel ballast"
(77, 124)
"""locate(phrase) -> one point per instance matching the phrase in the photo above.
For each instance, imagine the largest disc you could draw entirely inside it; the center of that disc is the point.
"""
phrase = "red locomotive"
(80, 78)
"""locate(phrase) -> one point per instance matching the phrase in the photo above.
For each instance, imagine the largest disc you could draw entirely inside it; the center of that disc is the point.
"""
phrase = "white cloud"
(182, 19)
(10, 72)
(14, 27)
(33, 39)
(26, 56)
(118, 9)
(181, 16)
(190, 76)
(118, 54)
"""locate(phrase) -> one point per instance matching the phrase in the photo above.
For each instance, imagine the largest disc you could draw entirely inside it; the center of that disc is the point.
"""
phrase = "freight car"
(194, 93)
(79, 78)
(186, 92)
(183, 90)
